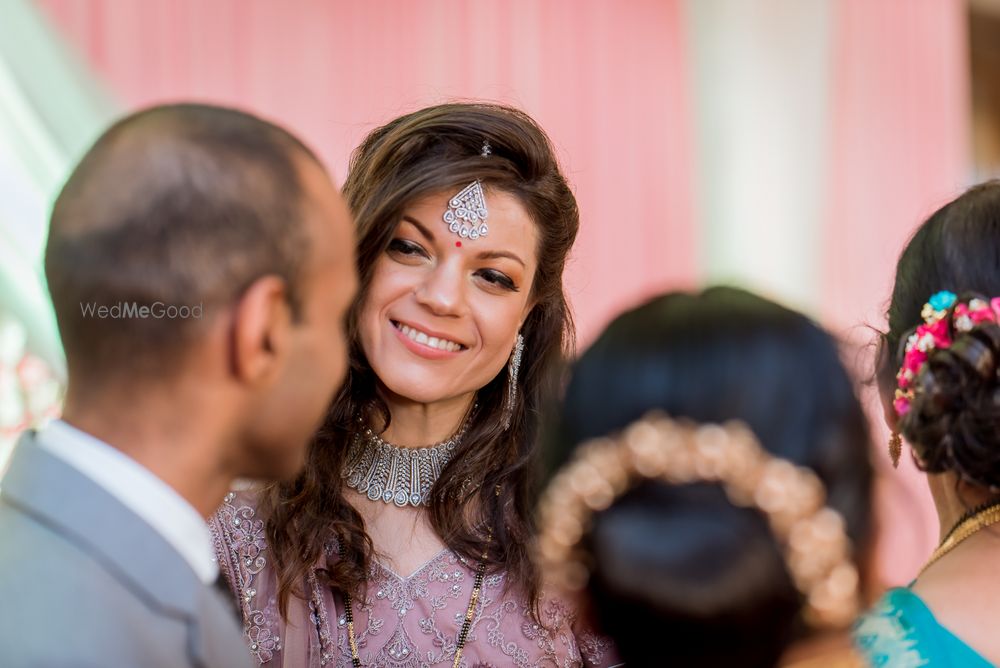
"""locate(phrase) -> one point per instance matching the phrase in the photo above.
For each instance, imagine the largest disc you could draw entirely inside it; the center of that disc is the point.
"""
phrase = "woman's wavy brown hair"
(431, 151)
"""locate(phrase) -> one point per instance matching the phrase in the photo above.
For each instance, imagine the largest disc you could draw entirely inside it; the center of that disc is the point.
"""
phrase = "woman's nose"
(443, 291)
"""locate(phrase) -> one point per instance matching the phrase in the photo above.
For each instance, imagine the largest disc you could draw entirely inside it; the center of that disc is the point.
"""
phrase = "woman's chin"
(420, 393)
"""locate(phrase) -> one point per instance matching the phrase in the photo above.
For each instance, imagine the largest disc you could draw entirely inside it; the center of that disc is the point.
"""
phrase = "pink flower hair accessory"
(936, 334)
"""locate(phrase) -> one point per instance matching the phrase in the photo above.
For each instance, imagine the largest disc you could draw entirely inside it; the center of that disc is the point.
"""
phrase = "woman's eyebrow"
(417, 224)
(494, 254)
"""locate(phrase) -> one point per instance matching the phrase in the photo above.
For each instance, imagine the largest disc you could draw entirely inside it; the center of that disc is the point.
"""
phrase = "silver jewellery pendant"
(391, 474)
(466, 214)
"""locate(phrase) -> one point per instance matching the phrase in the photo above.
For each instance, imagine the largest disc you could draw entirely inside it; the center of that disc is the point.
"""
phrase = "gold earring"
(895, 448)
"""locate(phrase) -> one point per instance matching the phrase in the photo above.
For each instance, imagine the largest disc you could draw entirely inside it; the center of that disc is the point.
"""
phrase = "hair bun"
(980, 350)
(954, 420)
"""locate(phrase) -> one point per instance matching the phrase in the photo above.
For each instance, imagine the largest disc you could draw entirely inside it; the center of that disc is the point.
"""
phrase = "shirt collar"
(139, 490)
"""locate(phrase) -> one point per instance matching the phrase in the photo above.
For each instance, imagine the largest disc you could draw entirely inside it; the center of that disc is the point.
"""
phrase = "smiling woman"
(459, 306)
(405, 541)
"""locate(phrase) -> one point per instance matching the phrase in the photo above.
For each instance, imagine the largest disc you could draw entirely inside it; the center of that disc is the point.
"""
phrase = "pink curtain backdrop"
(607, 85)
(610, 87)
(899, 141)
(899, 150)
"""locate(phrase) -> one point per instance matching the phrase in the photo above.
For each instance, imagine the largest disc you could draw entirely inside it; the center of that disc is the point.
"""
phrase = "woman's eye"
(404, 247)
(498, 278)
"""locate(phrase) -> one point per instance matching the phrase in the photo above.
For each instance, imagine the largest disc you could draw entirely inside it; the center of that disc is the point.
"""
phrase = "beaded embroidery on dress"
(239, 543)
(409, 622)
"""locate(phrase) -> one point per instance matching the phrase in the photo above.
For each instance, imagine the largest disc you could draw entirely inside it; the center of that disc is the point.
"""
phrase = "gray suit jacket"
(86, 582)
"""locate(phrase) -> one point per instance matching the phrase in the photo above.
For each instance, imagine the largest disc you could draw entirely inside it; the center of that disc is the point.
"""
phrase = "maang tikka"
(466, 213)
(513, 367)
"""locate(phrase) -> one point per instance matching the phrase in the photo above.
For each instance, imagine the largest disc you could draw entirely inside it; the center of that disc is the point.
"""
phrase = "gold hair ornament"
(812, 536)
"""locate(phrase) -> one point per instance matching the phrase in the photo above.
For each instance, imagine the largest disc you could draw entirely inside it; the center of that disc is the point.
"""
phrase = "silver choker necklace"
(391, 474)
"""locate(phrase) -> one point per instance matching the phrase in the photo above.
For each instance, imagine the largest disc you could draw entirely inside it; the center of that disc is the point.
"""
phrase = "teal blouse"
(901, 632)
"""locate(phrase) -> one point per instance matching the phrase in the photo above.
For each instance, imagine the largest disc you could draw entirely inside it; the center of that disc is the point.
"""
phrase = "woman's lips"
(425, 344)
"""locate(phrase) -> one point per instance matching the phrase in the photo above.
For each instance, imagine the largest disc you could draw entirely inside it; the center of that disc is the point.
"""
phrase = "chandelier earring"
(513, 367)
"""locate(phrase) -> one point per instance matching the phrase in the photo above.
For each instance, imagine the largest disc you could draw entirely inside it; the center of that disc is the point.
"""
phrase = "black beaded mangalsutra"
(463, 634)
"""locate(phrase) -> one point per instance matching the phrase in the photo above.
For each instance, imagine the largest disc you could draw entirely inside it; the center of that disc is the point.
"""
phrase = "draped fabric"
(901, 631)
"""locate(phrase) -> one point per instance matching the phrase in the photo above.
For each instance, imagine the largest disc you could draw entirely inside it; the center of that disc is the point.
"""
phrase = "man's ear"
(261, 328)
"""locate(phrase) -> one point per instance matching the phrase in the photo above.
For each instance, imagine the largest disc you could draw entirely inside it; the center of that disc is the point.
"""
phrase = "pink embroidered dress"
(404, 622)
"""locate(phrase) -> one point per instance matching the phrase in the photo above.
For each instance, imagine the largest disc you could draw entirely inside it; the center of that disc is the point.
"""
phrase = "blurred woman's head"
(943, 394)
(679, 572)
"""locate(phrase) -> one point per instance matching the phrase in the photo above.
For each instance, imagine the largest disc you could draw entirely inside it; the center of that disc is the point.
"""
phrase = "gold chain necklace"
(979, 519)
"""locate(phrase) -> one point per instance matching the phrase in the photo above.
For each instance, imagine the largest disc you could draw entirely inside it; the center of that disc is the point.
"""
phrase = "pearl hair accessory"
(811, 535)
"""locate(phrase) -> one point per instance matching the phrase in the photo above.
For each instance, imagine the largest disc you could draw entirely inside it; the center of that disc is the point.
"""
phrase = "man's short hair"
(177, 209)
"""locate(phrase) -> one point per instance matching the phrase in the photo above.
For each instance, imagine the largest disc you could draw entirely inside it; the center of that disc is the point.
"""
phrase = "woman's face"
(442, 313)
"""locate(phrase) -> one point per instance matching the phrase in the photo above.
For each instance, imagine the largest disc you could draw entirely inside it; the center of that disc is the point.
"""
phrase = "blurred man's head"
(196, 241)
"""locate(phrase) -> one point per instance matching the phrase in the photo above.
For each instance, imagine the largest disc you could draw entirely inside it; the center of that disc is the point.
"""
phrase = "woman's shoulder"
(237, 527)
(242, 495)
(900, 631)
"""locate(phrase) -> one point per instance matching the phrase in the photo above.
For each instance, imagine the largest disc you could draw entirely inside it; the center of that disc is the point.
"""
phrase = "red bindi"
(458, 244)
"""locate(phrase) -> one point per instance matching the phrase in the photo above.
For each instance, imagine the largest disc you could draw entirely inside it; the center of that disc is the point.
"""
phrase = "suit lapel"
(217, 639)
(58, 495)
(61, 497)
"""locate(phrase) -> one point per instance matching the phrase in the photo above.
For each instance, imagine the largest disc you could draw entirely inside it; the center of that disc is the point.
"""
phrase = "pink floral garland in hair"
(935, 334)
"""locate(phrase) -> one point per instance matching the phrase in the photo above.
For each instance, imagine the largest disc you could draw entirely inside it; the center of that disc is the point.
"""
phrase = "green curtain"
(51, 109)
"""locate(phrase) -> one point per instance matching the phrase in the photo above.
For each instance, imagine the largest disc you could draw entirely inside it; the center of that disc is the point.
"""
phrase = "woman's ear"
(886, 386)
(889, 412)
